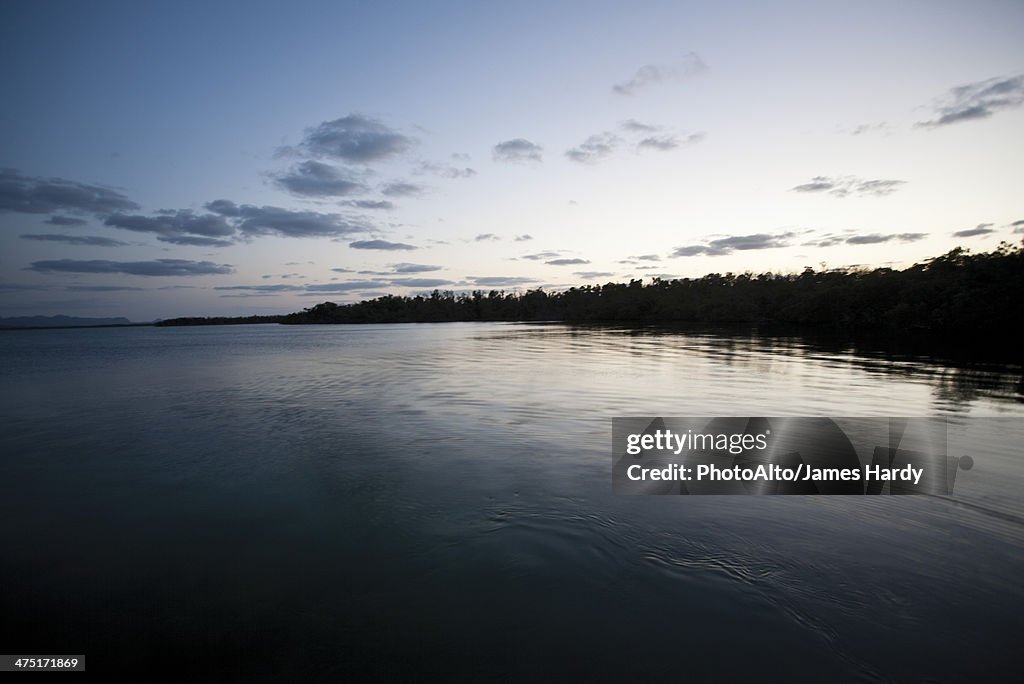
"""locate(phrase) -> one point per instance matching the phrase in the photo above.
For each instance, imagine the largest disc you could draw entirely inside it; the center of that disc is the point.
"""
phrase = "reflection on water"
(435, 500)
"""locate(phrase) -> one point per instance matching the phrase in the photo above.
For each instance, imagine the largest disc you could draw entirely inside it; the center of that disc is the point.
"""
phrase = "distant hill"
(58, 322)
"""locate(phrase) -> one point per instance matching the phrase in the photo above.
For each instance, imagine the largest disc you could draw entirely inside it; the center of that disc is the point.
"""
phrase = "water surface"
(421, 501)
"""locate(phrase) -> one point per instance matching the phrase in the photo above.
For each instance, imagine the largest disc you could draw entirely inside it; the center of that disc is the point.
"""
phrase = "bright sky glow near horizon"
(173, 159)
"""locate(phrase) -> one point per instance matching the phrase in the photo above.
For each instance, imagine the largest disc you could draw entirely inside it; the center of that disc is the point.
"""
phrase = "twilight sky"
(182, 158)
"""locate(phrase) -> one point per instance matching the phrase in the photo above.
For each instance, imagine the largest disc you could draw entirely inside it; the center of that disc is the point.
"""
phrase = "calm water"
(423, 501)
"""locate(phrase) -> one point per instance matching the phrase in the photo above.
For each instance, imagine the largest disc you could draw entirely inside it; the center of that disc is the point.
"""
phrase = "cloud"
(343, 286)
(250, 220)
(444, 171)
(369, 204)
(876, 238)
(594, 148)
(587, 275)
(566, 262)
(643, 137)
(980, 229)
(176, 224)
(158, 267)
(647, 257)
(654, 74)
(540, 256)
(635, 126)
(486, 237)
(869, 128)
(420, 282)
(380, 244)
(978, 100)
(826, 241)
(262, 288)
(662, 143)
(500, 281)
(312, 288)
(224, 207)
(102, 288)
(844, 186)
(665, 143)
(517, 150)
(354, 138)
(65, 221)
(756, 241)
(524, 237)
(402, 189)
(1018, 226)
(85, 240)
(316, 179)
(727, 245)
(195, 241)
(38, 195)
(416, 268)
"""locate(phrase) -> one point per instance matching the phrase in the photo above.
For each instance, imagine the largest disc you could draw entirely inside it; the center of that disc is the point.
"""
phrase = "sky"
(168, 159)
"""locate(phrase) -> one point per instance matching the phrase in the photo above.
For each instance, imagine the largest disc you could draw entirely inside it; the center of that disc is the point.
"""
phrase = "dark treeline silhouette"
(221, 320)
(958, 293)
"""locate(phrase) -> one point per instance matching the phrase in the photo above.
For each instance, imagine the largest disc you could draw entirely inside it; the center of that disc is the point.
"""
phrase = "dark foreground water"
(416, 502)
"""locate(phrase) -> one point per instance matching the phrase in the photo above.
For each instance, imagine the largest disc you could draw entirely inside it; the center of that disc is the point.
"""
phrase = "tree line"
(958, 292)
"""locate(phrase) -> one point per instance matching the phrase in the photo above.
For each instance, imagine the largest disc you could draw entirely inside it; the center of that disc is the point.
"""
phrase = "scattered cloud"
(380, 244)
(566, 262)
(38, 195)
(524, 237)
(251, 221)
(646, 257)
(316, 179)
(655, 74)
(980, 229)
(420, 282)
(1018, 226)
(261, 288)
(369, 204)
(594, 148)
(84, 240)
(844, 186)
(65, 221)
(662, 143)
(635, 126)
(500, 281)
(978, 100)
(517, 150)
(176, 224)
(486, 237)
(342, 286)
(444, 171)
(869, 128)
(102, 288)
(157, 267)
(402, 189)
(641, 137)
(588, 275)
(354, 138)
(540, 256)
(416, 268)
(876, 238)
(195, 241)
(728, 245)
(665, 143)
